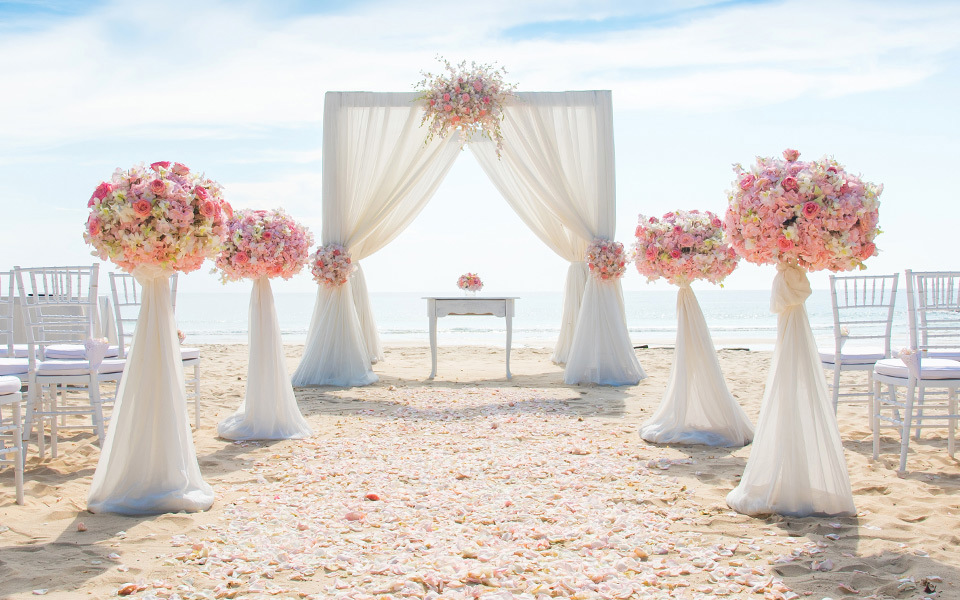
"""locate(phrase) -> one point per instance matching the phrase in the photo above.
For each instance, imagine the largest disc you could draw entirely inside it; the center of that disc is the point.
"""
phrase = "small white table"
(467, 305)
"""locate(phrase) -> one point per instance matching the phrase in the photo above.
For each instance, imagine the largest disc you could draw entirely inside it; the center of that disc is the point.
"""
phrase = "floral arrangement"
(162, 215)
(605, 259)
(263, 243)
(470, 282)
(332, 265)
(468, 99)
(683, 246)
(812, 214)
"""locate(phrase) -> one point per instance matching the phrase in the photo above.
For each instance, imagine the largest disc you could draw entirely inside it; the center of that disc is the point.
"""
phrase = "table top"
(470, 297)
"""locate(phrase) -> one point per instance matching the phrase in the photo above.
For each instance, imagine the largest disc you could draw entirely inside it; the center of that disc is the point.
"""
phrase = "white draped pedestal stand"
(796, 465)
(148, 464)
(697, 408)
(269, 410)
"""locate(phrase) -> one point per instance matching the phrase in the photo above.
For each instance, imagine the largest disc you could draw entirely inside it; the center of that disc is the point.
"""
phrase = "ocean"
(736, 318)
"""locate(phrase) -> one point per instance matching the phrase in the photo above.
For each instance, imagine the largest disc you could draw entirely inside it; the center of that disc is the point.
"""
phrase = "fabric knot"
(790, 288)
(149, 272)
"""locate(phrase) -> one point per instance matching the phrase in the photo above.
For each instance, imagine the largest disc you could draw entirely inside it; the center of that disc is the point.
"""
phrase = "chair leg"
(54, 426)
(952, 424)
(18, 444)
(836, 388)
(919, 413)
(196, 394)
(96, 407)
(905, 429)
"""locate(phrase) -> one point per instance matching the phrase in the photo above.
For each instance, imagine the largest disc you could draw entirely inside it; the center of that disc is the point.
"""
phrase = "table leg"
(509, 339)
(433, 345)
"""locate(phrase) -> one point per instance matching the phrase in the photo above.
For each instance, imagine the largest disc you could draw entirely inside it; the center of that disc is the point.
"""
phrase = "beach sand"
(438, 454)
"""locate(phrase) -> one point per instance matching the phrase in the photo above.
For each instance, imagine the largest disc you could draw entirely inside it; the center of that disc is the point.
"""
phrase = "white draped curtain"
(378, 174)
(556, 171)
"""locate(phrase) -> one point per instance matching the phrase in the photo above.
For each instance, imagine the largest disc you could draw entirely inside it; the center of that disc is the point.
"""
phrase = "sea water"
(736, 318)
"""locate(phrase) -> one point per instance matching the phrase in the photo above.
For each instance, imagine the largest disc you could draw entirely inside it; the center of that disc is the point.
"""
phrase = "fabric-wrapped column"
(572, 299)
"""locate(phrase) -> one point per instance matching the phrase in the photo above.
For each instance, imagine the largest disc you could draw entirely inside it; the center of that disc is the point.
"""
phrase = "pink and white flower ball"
(470, 282)
(812, 214)
(683, 246)
(332, 265)
(606, 259)
(163, 215)
(263, 243)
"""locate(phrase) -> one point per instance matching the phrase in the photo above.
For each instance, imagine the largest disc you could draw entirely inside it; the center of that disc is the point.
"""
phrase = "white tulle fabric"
(796, 465)
(148, 464)
(269, 410)
(597, 353)
(378, 174)
(556, 170)
(697, 407)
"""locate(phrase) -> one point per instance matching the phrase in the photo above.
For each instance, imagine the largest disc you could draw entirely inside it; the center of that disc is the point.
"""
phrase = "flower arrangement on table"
(683, 246)
(812, 214)
(163, 215)
(470, 282)
(606, 259)
(465, 98)
(263, 243)
(332, 265)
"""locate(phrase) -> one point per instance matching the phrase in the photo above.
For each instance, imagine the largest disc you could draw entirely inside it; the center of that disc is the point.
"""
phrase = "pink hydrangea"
(264, 243)
(682, 247)
(332, 265)
(606, 259)
(812, 214)
(157, 215)
(470, 282)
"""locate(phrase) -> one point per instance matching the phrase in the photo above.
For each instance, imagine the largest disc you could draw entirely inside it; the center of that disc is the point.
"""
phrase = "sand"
(459, 467)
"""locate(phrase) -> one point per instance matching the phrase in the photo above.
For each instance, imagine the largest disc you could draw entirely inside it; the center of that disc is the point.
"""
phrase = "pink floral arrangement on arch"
(470, 282)
(332, 265)
(683, 246)
(263, 243)
(465, 98)
(606, 259)
(162, 215)
(812, 214)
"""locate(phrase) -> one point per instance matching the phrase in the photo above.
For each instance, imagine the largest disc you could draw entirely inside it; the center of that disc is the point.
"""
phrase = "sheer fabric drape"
(796, 465)
(378, 174)
(269, 410)
(697, 407)
(556, 170)
(148, 463)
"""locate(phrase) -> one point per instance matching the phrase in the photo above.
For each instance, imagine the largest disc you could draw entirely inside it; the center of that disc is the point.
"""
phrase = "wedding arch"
(555, 169)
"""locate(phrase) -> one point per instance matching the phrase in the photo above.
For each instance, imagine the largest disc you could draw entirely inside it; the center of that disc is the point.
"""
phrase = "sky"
(235, 89)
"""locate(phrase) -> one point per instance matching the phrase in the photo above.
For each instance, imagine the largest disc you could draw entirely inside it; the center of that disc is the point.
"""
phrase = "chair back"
(935, 312)
(59, 305)
(7, 308)
(864, 305)
(127, 298)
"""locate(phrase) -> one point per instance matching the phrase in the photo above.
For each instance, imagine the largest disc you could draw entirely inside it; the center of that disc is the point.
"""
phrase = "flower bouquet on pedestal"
(468, 99)
(470, 284)
(152, 221)
(697, 408)
(800, 216)
(262, 244)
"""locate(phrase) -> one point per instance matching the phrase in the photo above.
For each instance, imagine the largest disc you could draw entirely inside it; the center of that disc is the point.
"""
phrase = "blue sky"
(235, 89)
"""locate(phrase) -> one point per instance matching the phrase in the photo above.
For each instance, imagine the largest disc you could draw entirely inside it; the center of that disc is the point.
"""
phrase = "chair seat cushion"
(74, 352)
(930, 368)
(9, 385)
(14, 366)
(952, 354)
(189, 353)
(19, 351)
(77, 367)
(851, 357)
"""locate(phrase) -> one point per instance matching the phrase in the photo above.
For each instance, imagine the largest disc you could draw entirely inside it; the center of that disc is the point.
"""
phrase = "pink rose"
(486, 99)
(446, 97)
(241, 258)
(811, 209)
(686, 240)
(447, 107)
(433, 102)
(208, 208)
(161, 163)
(677, 229)
(675, 253)
(716, 222)
(784, 244)
(791, 155)
(869, 249)
(790, 184)
(227, 209)
(200, 192)
(93, 225)
(651, 252)
(102, 190)
(465, 98)
(180, 168)
(652, 220)
(142, 207)
(157, 187)
(746, 182)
